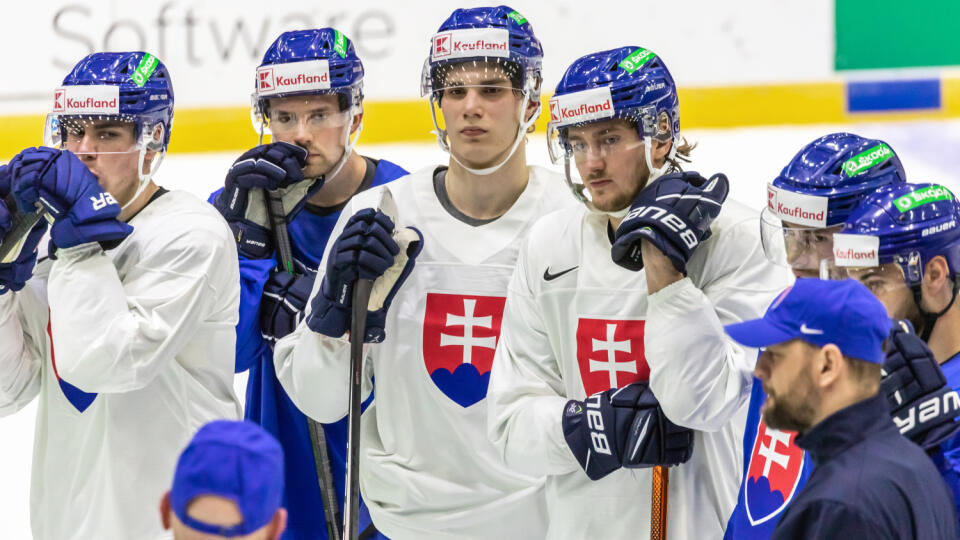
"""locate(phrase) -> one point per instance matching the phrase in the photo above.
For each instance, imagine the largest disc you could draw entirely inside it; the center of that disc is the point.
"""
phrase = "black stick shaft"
(358, 323)
(318, 440)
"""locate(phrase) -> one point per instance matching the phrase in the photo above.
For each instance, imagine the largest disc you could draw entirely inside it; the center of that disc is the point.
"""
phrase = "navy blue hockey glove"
(272, 167)
(82, 212)
(366, 249)
(674, 214)
(623, 427)
(17, 267)
(283, 302)
(917, 390)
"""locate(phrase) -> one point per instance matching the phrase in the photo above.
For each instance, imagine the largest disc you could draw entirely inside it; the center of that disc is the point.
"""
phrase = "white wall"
(212, 47)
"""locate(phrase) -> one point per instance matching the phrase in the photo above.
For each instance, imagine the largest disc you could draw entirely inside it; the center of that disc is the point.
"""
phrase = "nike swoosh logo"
(810, 331)
(547, 276)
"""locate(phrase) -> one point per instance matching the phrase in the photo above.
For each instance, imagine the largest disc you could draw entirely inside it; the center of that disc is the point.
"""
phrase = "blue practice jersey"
(948, 459)
(774, 471)
(267, 403)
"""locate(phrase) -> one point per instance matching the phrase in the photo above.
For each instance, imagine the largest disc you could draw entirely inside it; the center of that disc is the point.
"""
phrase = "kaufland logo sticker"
(471, 43)
(293, 77)
(265, 79)
(797, 208)
(441, 45)
(581, 107)
(92, 99)
(856, 250)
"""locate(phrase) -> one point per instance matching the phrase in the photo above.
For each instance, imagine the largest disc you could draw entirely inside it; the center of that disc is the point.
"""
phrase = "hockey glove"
(283, 303)
(366, 249)
(81, 211)
(674, 214)
(410, 242)
(623, 427)
(17, 266)
(917, 390)
(243, 202)
(653, 439)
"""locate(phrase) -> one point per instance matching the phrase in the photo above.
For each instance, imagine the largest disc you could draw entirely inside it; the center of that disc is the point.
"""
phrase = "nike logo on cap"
(547, 276)
(810, 331)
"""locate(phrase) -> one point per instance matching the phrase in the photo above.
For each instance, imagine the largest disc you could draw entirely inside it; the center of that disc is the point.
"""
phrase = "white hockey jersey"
(135, 355)
(427, 468)
(576, 324)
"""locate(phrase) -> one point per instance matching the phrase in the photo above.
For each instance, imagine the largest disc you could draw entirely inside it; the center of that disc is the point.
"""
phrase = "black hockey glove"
(921, 404)
(674, 214)
(283, 302)
(269, 167)
(623, 427)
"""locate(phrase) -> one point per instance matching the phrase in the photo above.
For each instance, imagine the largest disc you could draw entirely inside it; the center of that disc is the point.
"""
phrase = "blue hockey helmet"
(131, 86)
(816, 191)
(839, 169)
(470, 46)
(308, 62)
(498, 35)
(908, 225)
(630, 83)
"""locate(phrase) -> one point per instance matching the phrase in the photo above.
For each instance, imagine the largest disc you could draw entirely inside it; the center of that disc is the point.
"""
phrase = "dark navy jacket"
(868, 481)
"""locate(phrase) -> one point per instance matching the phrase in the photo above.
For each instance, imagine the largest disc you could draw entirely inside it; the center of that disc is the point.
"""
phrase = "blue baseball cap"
(235, 460)
(844, 313)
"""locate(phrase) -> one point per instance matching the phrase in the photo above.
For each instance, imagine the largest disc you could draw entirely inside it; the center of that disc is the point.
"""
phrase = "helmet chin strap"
(348, 144)
(521, 133)
(144, 178)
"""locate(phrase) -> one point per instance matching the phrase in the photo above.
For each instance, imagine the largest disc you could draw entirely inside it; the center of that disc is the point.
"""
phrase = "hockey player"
(600, 364)
(126, 330)
(903, 243)
(806, 204)
(427, 469)
(309, 96)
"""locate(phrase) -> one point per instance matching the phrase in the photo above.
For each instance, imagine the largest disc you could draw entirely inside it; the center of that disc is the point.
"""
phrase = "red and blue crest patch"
(460, 334)
(773, 474)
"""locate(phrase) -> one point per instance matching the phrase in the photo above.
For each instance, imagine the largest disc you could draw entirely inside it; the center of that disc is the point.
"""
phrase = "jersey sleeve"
(250, 343)
(525, 398)
(314, 369)
(115, 336)
(701, 377)
(20, 357)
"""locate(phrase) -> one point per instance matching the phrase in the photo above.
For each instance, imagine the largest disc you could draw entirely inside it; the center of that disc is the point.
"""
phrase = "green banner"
(875, 34)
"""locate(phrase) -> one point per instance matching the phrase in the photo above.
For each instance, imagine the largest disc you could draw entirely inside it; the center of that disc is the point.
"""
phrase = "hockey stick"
(658, 503)
(358, 324)
(318, 441)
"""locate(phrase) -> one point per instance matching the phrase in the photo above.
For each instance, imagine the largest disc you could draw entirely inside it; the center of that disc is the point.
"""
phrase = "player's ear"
(357, 119)
(278, 524)
(830, 365)
(936, 274)
(528, 114)
(165, 510)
